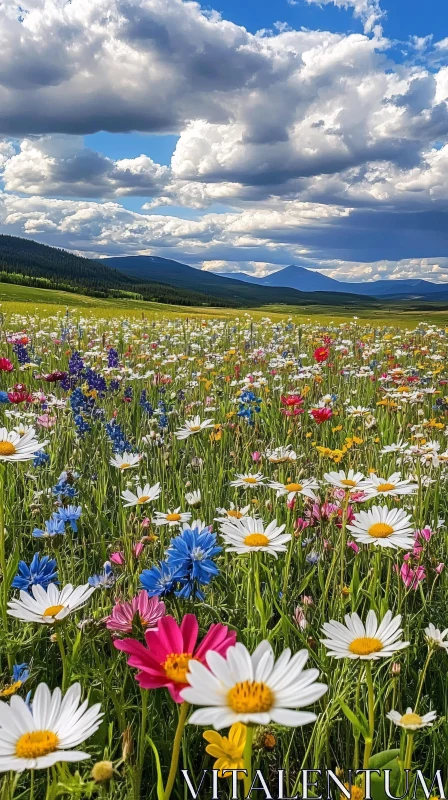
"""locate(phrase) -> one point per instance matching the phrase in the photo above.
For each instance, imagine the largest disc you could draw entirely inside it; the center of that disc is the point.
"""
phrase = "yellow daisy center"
(173, 517)
(256, 540)
(380, 530)
(293, 487)
(51, 611)
(252, 697)
(7, 449)
(411, 719)
(385, 487)
(143, 499)
(234, 513)
(195, 428)
(365, 646)
(249, 480)
(36, 744)
(349, 483)
(125, 465)
(176, 666)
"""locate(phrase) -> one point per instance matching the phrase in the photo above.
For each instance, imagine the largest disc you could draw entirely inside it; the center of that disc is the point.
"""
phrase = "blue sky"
(235, 136)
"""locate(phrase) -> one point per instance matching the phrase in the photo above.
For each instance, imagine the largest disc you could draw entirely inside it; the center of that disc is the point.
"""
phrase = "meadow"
(222, 545)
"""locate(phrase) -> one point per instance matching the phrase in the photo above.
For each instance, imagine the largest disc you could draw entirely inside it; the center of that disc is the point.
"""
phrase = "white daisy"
(14, 447)
(252, 688)
(126, 460)
(411, 721)
(281, 455)
(395, 447)
(358, 411)
(41, 736)
(248, 535)
(192, 426)
(143, 496)
(193, 498)
(172, 518)
(233, 512)
(351, 481)
(384, 527)
(390, 487)
(366, 642)
(436, 637)
(249, 480)
(49, 606)
(291, 489)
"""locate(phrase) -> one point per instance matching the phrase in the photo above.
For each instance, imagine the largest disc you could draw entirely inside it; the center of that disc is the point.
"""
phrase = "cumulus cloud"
(368, 11)
(315, 145)
(61, 165)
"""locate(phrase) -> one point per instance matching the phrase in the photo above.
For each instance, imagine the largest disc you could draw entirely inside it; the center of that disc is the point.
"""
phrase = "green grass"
(18, 299)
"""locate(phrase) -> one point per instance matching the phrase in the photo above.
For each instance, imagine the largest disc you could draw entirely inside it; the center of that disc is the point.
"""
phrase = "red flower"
(169, 649)
(321, 415)
(53, 377)
(20, 394)
(5, 365)
(292, 403)
(321, 354)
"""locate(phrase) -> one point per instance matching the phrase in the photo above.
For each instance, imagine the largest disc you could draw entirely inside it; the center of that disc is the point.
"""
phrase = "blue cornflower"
(191, 555)
(82, 427)
(160, 580)
(53, 527)
(4, 397)
(106, 579)
(41, 572)
(40, 459)
(20, 673)
(63, 488)
(70, 514)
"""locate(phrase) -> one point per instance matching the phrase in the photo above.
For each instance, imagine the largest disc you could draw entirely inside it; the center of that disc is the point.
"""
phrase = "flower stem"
(176, 750)
(371, 713)
(63, 657)
(247, 756)
(4, 597)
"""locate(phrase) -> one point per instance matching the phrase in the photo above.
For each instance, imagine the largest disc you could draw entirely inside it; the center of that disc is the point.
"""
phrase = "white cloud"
(368, 11)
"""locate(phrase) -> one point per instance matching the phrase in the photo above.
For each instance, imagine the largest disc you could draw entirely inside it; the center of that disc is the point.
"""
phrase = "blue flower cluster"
(40, 458)
(249, 405)
(41, 572)
(112, 358)
(188, 566)
(95, 381)
(64, 486)
(55, 526)
(145, 404)
(21, 353)
(117, 436)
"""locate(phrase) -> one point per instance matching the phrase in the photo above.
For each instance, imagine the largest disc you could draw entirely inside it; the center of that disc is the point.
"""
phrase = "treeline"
(29, 263)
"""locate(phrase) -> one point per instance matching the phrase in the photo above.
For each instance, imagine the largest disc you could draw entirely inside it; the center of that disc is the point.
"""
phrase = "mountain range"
(307, 280)
(30, 263)
(153, 278)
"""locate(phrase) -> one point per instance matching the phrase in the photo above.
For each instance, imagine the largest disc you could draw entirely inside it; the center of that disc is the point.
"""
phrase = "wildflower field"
(222, 546)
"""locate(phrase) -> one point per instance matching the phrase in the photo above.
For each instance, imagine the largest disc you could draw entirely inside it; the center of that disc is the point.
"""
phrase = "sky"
(232, 136)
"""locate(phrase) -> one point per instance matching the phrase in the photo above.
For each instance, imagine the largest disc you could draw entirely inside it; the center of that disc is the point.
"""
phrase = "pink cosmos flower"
(147, 610)
(45, 421)
(169, 649)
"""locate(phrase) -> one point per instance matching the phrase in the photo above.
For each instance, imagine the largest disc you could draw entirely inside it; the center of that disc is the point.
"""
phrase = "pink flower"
(412, 577)
(256, 456)
(353, 546)
(118, 558)
(300, 619)
(169, 649)
(321, 415)
(45, 421)
(440, 567)
(300, 524)
(146, 610)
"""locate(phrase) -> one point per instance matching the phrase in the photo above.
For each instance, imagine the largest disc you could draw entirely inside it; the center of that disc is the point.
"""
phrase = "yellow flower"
(8, 691)
(336, 429)
(228, 750)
